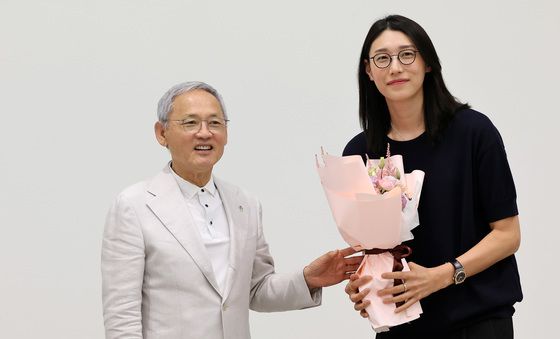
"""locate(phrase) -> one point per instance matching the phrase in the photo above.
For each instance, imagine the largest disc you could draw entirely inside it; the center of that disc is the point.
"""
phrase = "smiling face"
(397, 82)
(193, 153)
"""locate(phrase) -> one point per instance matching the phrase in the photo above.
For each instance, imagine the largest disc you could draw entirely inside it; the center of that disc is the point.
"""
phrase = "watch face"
(460, 277)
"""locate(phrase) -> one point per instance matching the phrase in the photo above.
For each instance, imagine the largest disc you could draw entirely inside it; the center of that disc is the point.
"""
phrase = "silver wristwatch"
(459, 276)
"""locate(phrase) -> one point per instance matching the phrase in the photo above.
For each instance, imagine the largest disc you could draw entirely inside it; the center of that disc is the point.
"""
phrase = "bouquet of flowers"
(375, 208)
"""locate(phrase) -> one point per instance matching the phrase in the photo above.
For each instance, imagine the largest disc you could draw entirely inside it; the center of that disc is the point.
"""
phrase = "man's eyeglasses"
(193, 125)
(383, 60)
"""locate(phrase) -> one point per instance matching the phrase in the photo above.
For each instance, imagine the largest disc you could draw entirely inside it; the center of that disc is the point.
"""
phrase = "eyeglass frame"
(200, 121)
(391, 56)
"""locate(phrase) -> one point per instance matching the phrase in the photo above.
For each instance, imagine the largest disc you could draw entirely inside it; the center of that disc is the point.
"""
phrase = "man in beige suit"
(183, 253)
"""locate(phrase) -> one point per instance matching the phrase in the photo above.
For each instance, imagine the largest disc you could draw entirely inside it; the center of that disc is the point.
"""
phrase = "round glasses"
(383, 60)
(194, 125)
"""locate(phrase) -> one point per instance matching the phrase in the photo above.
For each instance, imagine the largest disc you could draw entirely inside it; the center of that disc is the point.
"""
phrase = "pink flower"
(404, 201)
(388, 182)
(385, 176)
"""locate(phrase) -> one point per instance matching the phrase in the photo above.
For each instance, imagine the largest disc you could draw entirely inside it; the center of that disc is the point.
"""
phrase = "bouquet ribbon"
(398, 252)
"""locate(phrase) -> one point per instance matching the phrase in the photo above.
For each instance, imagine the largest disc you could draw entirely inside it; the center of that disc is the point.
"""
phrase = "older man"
(184, 254)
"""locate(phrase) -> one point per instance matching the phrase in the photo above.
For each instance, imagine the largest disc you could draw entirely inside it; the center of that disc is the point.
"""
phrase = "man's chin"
(199, 165)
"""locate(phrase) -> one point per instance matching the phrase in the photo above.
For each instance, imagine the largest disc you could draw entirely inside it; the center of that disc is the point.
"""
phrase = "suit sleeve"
(122, 269)
(273, 292)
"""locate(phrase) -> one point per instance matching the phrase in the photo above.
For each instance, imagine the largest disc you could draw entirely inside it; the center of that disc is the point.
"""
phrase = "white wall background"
(79, 82)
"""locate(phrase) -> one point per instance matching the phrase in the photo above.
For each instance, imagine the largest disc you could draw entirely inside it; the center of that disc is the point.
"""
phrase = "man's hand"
(331, 268)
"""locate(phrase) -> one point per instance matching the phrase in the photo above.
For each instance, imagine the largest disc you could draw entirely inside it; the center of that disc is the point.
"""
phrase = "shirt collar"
(189, 189)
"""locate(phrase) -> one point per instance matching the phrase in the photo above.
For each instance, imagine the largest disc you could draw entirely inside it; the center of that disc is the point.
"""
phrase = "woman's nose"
(395, 66)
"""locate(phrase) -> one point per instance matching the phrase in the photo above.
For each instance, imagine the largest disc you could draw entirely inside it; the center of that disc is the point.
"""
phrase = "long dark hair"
(439, 104)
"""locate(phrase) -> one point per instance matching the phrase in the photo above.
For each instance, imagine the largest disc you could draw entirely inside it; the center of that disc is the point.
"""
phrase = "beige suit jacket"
(158, 281)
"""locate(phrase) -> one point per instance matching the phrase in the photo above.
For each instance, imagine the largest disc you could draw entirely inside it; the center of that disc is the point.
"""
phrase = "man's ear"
(160, 130)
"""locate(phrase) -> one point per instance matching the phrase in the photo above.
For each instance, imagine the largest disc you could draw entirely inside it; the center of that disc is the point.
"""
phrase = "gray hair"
(165, 104)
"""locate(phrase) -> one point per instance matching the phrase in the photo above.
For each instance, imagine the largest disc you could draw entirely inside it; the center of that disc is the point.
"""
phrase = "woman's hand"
(358, 297)
(502, 241)
(419, 283)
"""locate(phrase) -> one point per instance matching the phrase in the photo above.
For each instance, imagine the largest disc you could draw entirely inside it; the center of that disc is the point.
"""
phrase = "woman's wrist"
(445, 275)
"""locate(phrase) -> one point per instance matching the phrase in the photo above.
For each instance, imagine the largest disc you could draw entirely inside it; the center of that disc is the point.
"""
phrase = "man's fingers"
(353, 260)
(351, 268)
(347, 251)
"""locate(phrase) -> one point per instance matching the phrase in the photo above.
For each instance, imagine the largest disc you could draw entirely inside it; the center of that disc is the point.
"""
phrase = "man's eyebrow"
(195, 115)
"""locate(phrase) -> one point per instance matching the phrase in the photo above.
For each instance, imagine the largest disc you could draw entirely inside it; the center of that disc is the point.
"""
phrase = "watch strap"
(457, 265)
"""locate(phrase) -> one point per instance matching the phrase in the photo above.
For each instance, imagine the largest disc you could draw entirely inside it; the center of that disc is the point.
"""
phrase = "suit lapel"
(237, 211)
(168, 204)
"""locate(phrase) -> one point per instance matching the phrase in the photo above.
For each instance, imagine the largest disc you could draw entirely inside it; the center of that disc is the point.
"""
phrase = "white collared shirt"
(209, 215)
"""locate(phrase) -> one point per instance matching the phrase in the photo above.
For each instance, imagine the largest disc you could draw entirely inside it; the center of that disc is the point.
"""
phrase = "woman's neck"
(407, 120)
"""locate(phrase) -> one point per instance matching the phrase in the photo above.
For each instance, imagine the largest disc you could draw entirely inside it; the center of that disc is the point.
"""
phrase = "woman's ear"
(368, 69)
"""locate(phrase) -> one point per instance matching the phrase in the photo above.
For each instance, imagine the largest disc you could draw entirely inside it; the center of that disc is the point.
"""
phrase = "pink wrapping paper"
(366, 219)
(382, 316)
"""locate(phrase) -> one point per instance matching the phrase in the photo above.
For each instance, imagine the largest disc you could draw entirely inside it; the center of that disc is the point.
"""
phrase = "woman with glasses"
(462, 266)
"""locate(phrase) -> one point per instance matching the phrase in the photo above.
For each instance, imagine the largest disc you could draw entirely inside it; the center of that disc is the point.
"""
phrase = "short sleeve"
(495, 185)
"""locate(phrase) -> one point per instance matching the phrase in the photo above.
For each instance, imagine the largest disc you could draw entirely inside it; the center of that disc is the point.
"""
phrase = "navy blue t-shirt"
(467, 185)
